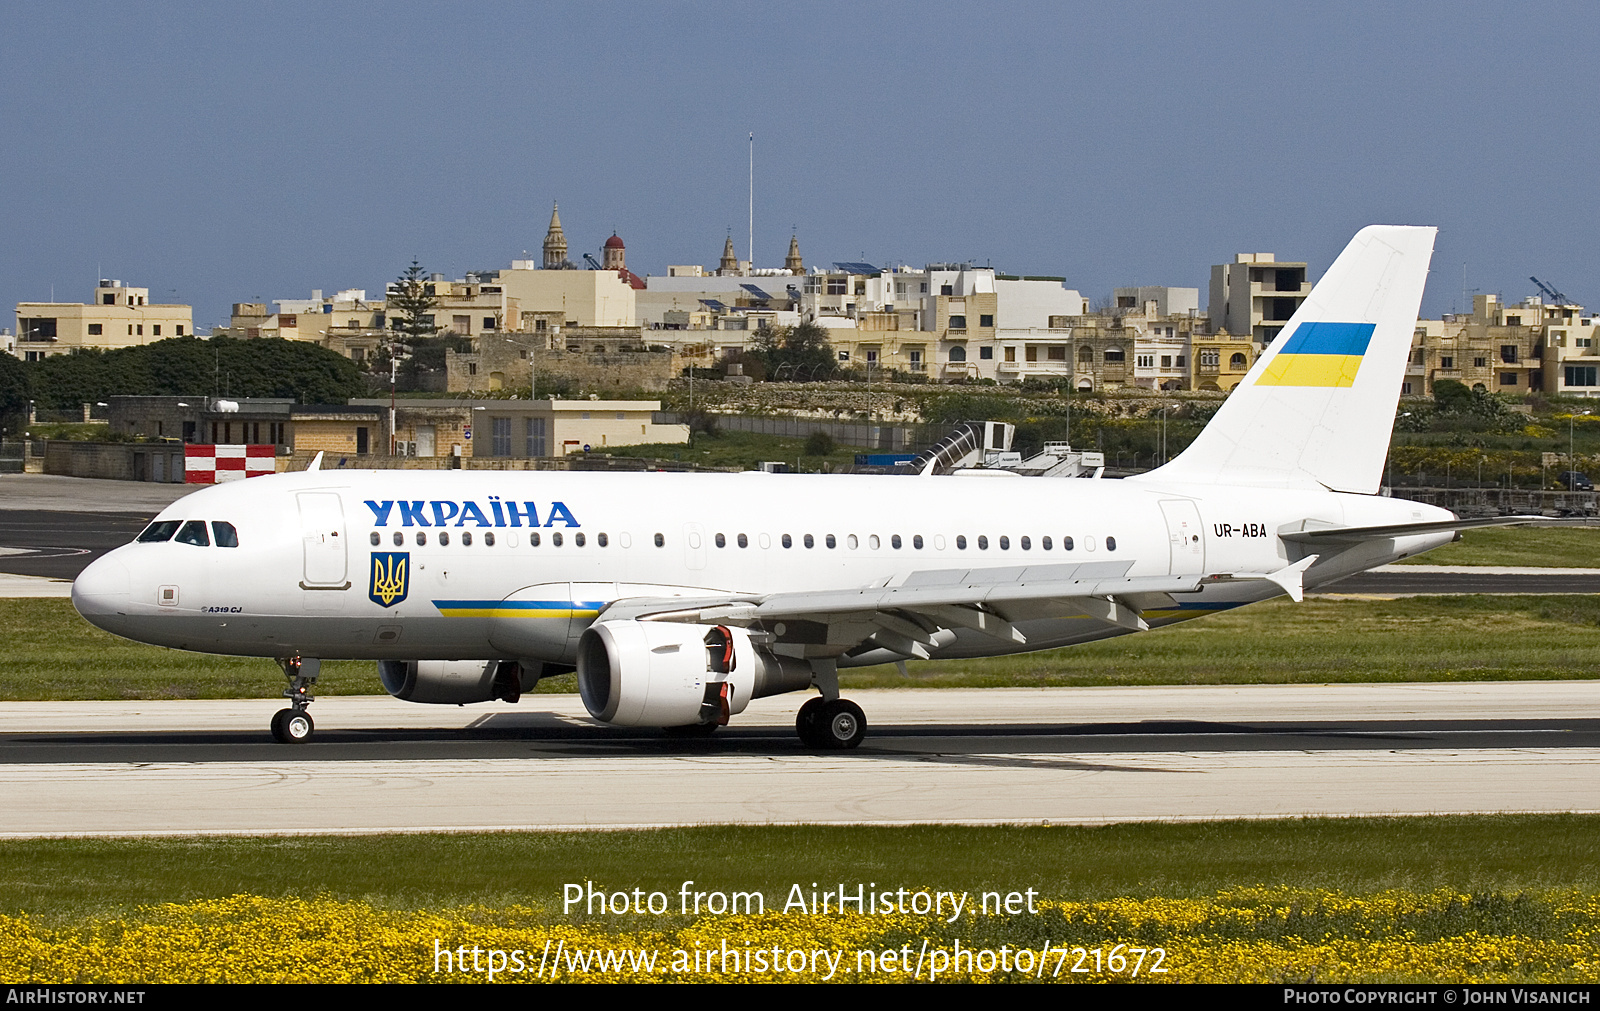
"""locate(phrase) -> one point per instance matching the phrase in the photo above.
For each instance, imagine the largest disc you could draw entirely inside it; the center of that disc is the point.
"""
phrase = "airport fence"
(13, 456)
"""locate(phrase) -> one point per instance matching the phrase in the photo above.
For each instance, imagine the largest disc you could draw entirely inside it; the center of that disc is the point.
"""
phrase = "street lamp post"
(1572, 456)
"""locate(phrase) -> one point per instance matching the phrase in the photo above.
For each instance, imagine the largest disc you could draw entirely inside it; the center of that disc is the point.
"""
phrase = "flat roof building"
(120, 316)
(1256, 294)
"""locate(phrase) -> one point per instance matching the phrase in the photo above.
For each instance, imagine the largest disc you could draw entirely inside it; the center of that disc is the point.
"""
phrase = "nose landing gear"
(294, 725)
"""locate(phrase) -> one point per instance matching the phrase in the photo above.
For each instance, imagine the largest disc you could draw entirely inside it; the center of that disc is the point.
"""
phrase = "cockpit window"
(224, 534)
(160, 530)
(194, 532)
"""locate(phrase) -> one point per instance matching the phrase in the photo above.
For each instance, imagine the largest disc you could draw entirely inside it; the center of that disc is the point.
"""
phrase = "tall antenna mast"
(751, 249)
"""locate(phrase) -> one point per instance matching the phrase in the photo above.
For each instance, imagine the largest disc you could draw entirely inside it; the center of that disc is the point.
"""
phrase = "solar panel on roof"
(857, 267)
(712, 303)
(757, 292)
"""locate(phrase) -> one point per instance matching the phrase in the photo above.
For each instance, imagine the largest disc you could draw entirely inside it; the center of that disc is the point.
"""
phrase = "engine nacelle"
(456, 682)
(666, 674)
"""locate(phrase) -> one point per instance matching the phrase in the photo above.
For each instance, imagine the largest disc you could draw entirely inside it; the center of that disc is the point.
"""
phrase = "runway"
(1091, 755)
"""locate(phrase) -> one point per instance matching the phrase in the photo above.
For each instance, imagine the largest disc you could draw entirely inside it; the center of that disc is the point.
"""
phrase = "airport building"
(120, 316)
(522, 429)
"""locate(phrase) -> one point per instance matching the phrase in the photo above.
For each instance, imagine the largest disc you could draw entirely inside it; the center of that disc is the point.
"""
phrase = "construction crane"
(592, 262)
(1554, 296)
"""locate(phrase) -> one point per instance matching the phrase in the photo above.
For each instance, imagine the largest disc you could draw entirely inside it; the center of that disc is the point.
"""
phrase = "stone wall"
(500, 366)
(115, 461)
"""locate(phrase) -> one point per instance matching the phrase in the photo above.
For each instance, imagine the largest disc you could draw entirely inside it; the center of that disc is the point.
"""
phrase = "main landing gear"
(294, 725)
(829, 723)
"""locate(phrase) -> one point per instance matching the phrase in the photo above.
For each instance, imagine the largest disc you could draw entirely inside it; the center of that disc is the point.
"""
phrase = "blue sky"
(218, 154)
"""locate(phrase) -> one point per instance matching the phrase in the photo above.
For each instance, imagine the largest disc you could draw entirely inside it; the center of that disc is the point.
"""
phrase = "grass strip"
(1534, 547)
(1479, 899)
(73, 878)
(50, 653)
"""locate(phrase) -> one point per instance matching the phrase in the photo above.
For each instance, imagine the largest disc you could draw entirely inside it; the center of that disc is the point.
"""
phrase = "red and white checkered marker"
(208, 464)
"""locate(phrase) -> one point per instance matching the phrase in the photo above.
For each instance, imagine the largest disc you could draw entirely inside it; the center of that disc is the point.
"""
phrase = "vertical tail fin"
(1317, 408)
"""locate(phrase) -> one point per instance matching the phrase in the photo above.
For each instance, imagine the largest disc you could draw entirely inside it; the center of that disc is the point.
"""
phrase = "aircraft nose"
(100, 593)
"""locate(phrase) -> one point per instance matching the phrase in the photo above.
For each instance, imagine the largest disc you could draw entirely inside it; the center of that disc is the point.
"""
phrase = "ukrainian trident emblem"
(388, 584)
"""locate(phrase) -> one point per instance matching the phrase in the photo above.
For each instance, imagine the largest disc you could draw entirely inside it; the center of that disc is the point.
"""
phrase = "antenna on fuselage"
(316, 462)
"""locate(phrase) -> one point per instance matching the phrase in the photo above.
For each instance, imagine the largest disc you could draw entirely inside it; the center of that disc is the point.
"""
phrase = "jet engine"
(457, 682)
(665, 674)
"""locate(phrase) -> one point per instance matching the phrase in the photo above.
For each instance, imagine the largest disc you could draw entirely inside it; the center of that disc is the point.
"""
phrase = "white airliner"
(679, 598)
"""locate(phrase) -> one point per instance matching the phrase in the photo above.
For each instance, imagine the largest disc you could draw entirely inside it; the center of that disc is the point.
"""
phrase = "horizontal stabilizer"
(1408, 529)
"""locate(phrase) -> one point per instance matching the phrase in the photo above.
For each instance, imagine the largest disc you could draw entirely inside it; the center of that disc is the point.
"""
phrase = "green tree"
(411, 302)
(190, 366)
(819, 444)
(13, 391)
(800, 354)
(1451, 395)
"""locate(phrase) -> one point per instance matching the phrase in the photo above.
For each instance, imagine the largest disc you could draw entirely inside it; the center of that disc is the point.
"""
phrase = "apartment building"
(1256, 294)
(120, 316)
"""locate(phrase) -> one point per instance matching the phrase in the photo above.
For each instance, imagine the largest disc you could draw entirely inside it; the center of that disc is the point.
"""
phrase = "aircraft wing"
(906, 617)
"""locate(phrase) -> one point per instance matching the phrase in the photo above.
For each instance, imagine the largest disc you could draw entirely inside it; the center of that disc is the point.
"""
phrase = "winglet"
(1291, 577)
(316, 462)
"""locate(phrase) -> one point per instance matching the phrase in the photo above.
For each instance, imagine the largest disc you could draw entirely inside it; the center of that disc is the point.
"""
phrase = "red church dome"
(614, 242)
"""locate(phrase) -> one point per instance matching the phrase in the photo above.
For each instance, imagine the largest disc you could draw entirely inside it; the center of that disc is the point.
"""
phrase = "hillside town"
(597, 321)
(573, 359)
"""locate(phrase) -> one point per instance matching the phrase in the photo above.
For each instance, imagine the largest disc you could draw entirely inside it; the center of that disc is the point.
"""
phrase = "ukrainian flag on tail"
(1319, 354)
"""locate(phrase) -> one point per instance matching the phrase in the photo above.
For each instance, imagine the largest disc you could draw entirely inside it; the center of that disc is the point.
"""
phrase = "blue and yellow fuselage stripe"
(1319, 354)
(1190, 609)
(519, 608)
(592, 608)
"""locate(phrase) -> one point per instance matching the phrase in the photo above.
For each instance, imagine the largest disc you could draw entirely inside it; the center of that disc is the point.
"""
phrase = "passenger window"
(227, 537)
(399, 539)
(444, 539)
(808, 542)
(533, 539)
(722, 541)
(983, 542)
(854, 542)
(466, 538)
(577, 538)
(661, 541)
(830, 542)
(744, 542)
(787, 541)
(194, 532)
(488, 539)
(1026, 544)
(1066, 544)
(377, 538)
(1005, 543)
(602, 540)
(872, 541)
(916, 542)
(1111, 543)
(422, 538)
(161, 530)
(1044, 542)
(961, 542)
(894, 542)
(555, 539)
